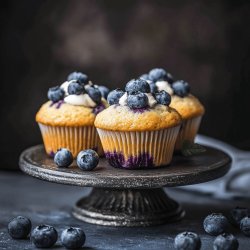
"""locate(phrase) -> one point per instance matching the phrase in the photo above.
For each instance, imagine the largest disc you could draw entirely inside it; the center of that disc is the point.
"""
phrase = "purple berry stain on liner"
(140, 161)
(98, 109)
(51, 154)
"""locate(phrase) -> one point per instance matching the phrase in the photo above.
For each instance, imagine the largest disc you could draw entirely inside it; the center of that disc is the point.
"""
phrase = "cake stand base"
(128, 207)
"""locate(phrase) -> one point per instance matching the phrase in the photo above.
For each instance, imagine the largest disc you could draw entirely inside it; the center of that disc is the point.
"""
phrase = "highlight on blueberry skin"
(215, 224)
(187, 241)
(163, 97)
(137, 100)
(104, 91)
(145, 77)
(245, 226)
(237, 214)
(225, 242)
(87, 159)
(114, 96)
(159, 74)
(19, 227)
(75, 88)
(63, 158)
(73, 238)
(79, 77)
(181, 88)
(137, 85)
(55, 94)
(44, 236)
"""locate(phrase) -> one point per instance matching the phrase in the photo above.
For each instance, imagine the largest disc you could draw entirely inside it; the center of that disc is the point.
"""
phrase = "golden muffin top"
(188, 106)
(122, 118)
(64, 114)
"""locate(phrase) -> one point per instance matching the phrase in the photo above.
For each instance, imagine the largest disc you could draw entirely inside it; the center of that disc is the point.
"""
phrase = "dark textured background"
(206, 43)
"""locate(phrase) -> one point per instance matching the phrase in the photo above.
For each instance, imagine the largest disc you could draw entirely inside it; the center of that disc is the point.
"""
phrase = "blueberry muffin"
(67, 119)
(138, 129)
(186, 104)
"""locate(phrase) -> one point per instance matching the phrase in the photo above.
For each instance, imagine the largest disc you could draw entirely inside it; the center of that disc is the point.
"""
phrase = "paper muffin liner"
(134, 150)
(73, 138)
(188, 131)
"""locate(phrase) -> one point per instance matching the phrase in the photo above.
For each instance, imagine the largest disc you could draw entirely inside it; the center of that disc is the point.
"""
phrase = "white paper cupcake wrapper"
(73, 138)
(139, 149)
(188, 131)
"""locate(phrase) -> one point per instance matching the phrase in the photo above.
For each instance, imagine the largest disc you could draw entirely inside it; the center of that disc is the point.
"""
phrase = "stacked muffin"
(67, 119)
(188, 106)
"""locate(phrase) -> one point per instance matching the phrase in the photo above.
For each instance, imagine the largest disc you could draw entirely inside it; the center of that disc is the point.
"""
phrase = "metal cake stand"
(128, 197)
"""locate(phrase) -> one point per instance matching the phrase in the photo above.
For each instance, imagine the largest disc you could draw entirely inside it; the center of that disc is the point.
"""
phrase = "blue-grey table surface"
(49, 203)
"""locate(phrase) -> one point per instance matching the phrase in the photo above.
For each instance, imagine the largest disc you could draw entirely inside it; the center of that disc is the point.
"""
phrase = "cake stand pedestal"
(128, 197)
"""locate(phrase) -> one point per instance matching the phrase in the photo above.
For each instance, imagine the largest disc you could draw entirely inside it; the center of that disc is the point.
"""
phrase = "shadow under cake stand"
(128, 197)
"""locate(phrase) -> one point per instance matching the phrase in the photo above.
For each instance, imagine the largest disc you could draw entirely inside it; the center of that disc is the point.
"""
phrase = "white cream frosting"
(65, 86)
(81, 100)
(151, 100)
(164, 85)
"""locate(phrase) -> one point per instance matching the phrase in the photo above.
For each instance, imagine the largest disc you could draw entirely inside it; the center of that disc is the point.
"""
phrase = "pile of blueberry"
(86, 159)
(217, 224)
(137, 90)
(180, 87)
(79, 84)
(45, 236)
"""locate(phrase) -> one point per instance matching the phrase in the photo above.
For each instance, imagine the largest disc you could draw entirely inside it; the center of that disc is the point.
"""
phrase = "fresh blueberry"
(44, 236)
(19, 227)
(114, 96)
(73, 238)
(159, 74)
(181, 88)
(187, 241)
(63, 158)
(137, 85)
(137, 100)
(145, 77)
(55, 94)
(215, 224)
(104, 91)
(75, 88)
(87, 159)
(245, 226)
(237, 214)
(153, 87)
(225, 242)
(163, 97)
(79, 77)
(94, 93)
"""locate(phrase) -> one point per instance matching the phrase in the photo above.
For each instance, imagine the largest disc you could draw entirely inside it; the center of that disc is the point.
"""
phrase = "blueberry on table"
(94, 93)
(87, 159)
(245, 226)
(159, 74)
(104, 91)
(137, 85)
(215, 224)
(114, 96)
(63, 158)
(181, 88)
(225, 242)
(79, 77)
(56, 94)
(237, 214)
(75, 88)
(187, 241)
(163, 97)
(44, 236)
(19, 227)
(145, 77)
(137, 100)
(73, 238)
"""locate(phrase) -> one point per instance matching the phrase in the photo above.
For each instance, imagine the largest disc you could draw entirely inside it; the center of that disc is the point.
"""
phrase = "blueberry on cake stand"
(128, 197)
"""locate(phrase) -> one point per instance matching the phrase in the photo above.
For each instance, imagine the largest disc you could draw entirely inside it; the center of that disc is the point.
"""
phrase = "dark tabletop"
(50, 203)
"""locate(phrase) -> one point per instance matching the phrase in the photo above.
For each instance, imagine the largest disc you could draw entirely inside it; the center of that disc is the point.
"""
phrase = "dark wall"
(207, 44)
